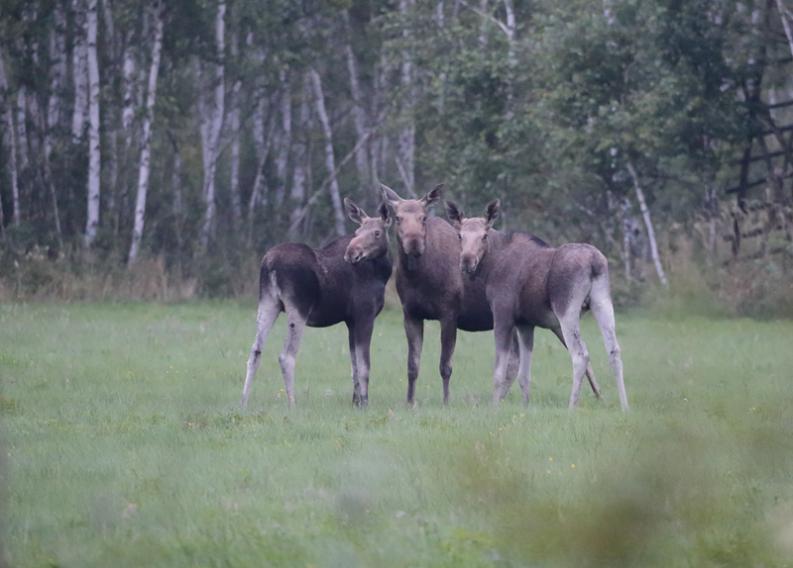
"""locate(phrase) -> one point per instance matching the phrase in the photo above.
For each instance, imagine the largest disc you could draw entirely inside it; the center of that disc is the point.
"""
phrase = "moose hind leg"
(526, 343)
(288, 356)
(590, 373)
(578, 353)
(603, 310)
(503, 333)
(265, 318)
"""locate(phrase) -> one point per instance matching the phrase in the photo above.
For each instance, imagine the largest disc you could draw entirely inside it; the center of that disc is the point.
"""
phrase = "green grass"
(125, 446)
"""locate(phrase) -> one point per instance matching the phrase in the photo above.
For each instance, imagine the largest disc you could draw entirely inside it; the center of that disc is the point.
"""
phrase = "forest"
(156, 149)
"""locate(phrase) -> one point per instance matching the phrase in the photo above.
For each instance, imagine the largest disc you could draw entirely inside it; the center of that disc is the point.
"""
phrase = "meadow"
(124, 445)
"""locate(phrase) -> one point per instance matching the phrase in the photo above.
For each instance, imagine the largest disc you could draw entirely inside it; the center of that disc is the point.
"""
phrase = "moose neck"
(409, 262)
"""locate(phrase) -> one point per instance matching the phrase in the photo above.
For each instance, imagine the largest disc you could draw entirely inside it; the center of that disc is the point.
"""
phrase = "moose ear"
(354, 212)
(390, 195)
(385, 214)
(433, 196)
(455, 214)
(493, 212)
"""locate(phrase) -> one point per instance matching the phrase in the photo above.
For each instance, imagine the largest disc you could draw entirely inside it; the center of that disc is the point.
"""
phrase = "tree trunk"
(80, 69)
(145, 152)
(358, 114)
(211, 127)
(785, 17)
(284, 140)
(128, 81)
(626, 239)
(178, 201)
(8, 119)
(405, 159)
(94, 149)
(57, 51)
(512, 58)
(298, 192)
(648, 223)
(330, 159)
(22, 129)
(262, 135)
(234, 166)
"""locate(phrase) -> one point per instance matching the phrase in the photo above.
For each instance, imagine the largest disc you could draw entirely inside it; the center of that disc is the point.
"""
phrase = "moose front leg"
(363, 341)
(356, 395)
(448, 341)
(414, 330)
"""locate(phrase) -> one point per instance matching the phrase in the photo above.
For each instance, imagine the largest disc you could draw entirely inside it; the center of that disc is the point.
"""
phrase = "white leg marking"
(603, 310)
(265, 318)
(288, 355)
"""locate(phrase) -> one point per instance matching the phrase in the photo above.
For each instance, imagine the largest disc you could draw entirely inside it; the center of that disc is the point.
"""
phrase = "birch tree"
(94, 148)
(211, 126)
(234, 133)
(10, 130)
(405, 158)
(648, 224)
(79, 69)
(284, 137)
(330, 160)
(144, 166)
(359, 117)
(298, 191)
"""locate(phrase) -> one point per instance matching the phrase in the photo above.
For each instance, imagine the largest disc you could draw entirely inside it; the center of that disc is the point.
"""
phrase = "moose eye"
(377, 234)
(459, 236)
(485, 237)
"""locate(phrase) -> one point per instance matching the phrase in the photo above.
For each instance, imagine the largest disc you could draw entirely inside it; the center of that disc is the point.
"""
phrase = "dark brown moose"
(530, 284)
(431, 286)
(343, 282)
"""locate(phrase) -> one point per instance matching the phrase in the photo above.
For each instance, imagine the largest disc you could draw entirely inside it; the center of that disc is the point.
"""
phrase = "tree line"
(201, 129)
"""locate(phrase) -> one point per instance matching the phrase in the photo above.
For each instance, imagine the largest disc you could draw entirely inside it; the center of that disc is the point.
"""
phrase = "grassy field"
(124, 446)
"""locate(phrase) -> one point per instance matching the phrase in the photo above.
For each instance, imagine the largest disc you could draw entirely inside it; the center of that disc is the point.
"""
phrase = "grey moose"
(530, 284)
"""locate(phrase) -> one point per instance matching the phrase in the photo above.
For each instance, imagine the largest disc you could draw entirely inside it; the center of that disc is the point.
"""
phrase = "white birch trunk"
(785, 16)
(8, 119)
(178, 202)
(626, 239)
(234, 166)
(648, 223)
(94, 148)
(128, 80)
(212, 126)
(358, 113)
(262, 140)
(484, 23)
(512, 59)
(330, 159)
(407, 136)
(22, 129)
(297, 195)
(144, 167)
(57, 74)
(57, 49)
(79, 70)
(284, 140)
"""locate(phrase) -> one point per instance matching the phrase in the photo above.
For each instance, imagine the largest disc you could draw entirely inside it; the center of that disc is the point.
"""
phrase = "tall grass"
(125, 446)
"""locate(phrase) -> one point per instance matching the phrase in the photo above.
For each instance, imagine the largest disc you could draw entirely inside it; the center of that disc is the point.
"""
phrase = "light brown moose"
(431, 286)
(530, 284)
